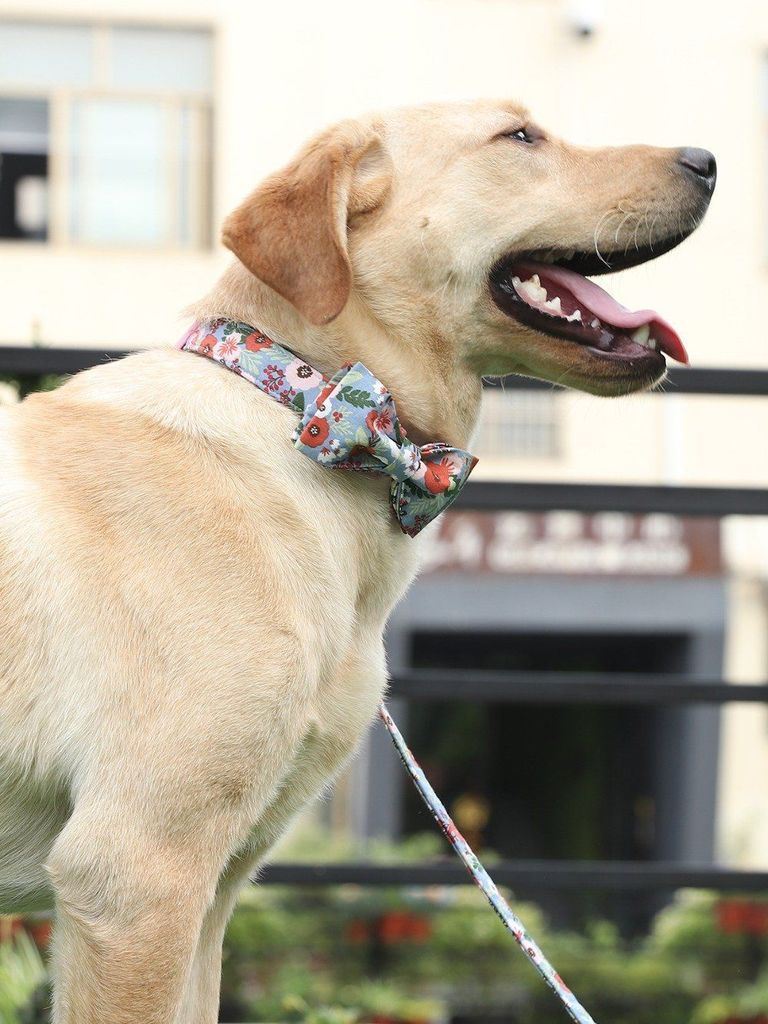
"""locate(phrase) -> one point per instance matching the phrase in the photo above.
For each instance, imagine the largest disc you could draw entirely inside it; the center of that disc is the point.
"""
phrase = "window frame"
(520, 425)
(61, 100)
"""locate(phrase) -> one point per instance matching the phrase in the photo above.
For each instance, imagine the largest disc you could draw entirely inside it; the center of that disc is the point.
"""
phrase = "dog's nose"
(701, 164)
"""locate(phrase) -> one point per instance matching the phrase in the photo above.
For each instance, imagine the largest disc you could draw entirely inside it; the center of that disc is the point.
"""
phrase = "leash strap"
(481, 877)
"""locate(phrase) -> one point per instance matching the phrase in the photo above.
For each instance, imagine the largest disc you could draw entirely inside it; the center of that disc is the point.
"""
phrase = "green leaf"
(251, 362)
(357, 397)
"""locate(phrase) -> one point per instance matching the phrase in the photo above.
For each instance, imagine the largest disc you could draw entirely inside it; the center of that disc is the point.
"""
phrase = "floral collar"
(348, 421)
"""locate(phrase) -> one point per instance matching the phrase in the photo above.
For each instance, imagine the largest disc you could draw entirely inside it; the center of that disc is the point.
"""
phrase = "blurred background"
(127, 131)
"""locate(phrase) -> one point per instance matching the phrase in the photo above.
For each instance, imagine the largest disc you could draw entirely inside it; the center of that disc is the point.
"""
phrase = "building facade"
(124, 140)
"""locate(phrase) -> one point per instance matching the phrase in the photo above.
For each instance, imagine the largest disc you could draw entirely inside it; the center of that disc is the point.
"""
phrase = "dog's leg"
(136, 869)
(131, 900)
(318, 760)
(200, 1003)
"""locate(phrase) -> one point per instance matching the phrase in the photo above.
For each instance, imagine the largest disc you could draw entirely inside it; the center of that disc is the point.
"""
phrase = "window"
(518, 423)
(104, 134)
(23, 168)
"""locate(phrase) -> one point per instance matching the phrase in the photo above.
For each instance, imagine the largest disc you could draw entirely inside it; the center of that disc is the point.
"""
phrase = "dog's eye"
(521, 135)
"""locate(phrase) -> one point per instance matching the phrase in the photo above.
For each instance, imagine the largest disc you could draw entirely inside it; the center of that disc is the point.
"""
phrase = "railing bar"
(521, 496)
(572, 688)
(28, 361)
(24, 359)
(691, 381)
(531, 874)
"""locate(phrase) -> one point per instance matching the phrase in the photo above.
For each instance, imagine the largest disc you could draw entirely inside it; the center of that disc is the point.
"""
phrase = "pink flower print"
(272, 377)
(329, 451)
(302, 376)
(380, 421)
(226, 350)
(337, 415)
(455, 462)
(413, 460)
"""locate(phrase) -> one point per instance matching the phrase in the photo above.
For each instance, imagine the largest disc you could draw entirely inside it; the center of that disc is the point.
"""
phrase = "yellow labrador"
(193, 610)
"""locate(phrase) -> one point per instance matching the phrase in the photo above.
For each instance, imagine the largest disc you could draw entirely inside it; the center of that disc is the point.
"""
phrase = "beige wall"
(283, 70)
(658, 71)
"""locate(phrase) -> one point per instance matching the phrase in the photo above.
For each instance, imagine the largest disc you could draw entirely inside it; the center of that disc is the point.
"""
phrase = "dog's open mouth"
(558, 300)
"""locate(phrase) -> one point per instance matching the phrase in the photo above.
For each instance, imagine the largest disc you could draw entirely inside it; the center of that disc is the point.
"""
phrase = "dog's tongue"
(607, 309)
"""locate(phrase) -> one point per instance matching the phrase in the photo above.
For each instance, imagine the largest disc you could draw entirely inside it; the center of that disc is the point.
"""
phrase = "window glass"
(40, 55)
(119, 172)
(23, 125)
(184, 191)
(23, 168)
(518, 423)
(154, 58)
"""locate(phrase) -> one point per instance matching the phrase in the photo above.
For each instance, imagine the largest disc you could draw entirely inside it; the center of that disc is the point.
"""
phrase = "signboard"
(574, 543)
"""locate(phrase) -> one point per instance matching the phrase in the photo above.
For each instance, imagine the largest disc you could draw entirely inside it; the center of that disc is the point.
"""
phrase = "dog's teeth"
(641, 335)
(652, 343)
(535, 288)
(595, 323)
(530, 290)
(554, 305)
(575, 315)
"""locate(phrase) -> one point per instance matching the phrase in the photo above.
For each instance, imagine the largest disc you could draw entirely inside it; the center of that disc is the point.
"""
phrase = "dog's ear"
(291, 232)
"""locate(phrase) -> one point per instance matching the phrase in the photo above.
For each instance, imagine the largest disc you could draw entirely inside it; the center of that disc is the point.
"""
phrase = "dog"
(193, 610)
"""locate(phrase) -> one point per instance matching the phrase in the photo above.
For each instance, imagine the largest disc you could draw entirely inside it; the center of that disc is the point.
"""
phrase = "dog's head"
(469, 229)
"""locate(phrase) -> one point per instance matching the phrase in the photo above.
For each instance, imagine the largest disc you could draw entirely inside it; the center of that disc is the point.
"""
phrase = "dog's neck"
(437, 399)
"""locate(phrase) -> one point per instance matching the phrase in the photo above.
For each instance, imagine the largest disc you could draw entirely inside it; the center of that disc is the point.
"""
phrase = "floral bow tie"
(348, 421)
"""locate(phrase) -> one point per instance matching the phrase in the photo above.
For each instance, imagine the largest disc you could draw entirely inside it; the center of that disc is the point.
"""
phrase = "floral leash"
(481, 877)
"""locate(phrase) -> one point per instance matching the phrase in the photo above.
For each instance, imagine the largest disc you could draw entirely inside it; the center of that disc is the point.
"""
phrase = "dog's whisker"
(598, 229)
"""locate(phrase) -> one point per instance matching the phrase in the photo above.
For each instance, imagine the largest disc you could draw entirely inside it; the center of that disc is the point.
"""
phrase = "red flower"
(324, 394)
(403, 926)
(256, 342)
(742, 917)
(207, 345)
(315, 432)
(357, 931)
(379, 421)
(437, 477)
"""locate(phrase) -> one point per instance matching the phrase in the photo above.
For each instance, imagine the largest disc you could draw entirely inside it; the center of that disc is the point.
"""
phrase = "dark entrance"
(577, 782)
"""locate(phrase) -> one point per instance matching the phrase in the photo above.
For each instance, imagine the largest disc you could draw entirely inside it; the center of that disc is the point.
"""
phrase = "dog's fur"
(192, 610)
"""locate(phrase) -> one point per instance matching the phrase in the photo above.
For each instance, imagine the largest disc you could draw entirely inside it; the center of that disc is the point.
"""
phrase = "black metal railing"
(636, 689)
(25, 360)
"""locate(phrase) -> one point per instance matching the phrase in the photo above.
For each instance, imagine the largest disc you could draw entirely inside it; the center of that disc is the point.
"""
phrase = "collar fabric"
(348, 421)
